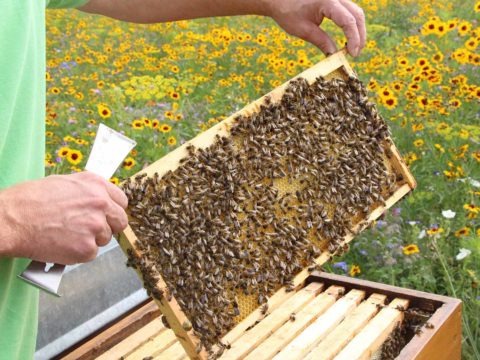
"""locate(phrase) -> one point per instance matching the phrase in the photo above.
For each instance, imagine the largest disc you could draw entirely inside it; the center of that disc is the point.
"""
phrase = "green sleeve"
(61, 4)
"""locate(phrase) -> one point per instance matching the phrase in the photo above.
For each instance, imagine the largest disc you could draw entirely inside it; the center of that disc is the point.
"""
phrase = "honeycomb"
(239, 219)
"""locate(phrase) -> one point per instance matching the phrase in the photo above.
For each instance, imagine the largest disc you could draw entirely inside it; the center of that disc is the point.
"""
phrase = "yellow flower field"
(162, 84)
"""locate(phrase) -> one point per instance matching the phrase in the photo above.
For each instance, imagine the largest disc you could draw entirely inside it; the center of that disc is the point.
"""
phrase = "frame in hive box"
(335, 66)
(140, 334)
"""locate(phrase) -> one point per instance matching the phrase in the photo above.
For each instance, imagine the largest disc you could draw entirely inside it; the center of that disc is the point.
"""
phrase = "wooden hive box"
(356, 323)
(335, 66)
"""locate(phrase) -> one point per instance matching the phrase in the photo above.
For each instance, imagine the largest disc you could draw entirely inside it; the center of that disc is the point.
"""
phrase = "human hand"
(61, 218)
(302, 18)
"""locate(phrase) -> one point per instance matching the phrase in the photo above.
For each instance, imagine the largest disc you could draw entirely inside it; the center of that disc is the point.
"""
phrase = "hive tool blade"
(37, 275)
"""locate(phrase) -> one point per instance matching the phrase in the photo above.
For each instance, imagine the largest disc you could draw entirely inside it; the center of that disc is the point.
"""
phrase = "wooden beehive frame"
(335, 66)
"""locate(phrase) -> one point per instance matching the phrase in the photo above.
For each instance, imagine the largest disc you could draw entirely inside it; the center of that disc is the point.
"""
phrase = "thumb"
(318, 37)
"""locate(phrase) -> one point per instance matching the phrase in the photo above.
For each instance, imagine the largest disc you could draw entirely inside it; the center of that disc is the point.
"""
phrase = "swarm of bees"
(247, 213)
(414, 320)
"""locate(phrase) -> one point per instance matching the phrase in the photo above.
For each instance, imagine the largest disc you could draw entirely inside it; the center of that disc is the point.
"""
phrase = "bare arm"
(153, 11)
(300, 18)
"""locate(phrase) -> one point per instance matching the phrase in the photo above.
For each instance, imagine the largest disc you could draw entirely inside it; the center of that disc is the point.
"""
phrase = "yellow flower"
(464, 27)
(372, 84)
(443, 127)
(354, 270)
(385, 92)
(172, 141)
(410, 249)
(74, 157)
(455, 103)
(410, 158)
(175, 69)
(438, 57)
(476, 7)
(439, 148)
(476, 155)
(128, 163)
(471, 215)
(104, 111)
(114, 180)
(418, 143)
(464, 134)
(465, 231)
(428, 27)
(155, 124)
(174, 95)
(147, 122)
(471, 44)
(138, 124)
(55, 90)
(452, 24)
(165, 128)
(440, 29)
(63, 151)
(390, 102)
(422, 62)
(81, 142)
(417, 127)
(422, 102)
(434, 231)
(472, 208)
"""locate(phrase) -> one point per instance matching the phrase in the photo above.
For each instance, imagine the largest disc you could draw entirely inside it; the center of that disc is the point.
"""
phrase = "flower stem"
(465, 323)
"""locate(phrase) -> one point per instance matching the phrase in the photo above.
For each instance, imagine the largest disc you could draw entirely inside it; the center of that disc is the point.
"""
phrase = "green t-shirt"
(22, 151)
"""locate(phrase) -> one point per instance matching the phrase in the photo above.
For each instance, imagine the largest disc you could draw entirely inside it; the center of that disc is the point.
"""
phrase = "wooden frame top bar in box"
(141, 334)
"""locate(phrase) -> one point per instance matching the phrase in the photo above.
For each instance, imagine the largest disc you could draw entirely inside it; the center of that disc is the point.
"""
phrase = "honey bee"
(165, 322)
(264, 309)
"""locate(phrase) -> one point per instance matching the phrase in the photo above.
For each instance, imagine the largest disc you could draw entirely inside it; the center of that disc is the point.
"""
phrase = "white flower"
(473, 182)
(462, 254)
(422, 234)
(448, 214)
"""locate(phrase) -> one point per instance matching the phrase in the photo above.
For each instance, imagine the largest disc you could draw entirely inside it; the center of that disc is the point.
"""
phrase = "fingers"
(104, 237)
(116, 218)
(341, 16)
(357, 12)
(113, 191)
(117, 195)
(318, 37)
